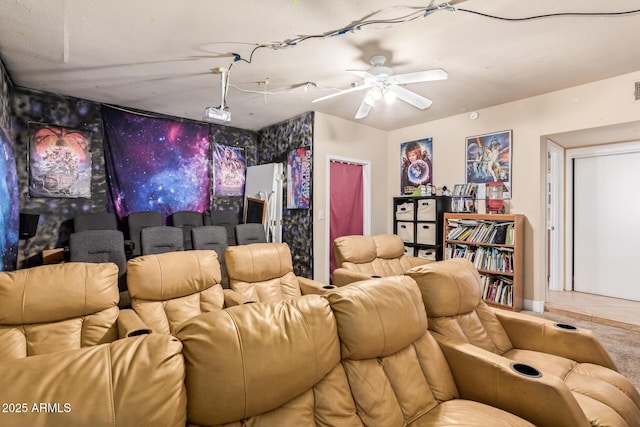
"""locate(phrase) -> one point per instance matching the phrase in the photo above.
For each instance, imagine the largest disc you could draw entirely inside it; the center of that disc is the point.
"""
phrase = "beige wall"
(603, 103)
(346, 139)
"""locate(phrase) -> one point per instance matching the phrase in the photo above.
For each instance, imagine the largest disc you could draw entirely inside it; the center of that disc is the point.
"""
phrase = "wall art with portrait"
(488, 159)
(229, 169)
(59, 161)
(416, 166)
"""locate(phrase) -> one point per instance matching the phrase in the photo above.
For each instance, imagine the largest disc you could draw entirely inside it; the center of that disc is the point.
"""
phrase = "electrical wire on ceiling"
(418, 14)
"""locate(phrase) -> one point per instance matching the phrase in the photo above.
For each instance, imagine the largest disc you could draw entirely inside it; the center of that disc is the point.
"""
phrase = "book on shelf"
(497, 289)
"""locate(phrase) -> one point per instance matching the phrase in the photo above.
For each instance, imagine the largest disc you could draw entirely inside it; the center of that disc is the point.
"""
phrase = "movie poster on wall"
(230, 170)
(59, 162)
(489, 159)
(299, 178)
(416, 166)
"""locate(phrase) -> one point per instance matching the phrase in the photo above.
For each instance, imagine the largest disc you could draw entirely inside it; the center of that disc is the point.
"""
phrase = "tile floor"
(595, 308)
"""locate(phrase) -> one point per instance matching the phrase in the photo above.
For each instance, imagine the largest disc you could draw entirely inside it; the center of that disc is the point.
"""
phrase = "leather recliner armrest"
(533, 333)
(415, 261)
(130, 324)
(310, 286)
(489, 378)
(342, 276)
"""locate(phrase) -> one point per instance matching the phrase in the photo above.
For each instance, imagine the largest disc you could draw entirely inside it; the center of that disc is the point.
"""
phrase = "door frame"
(571, 155)
(366, 201)
(555, 214)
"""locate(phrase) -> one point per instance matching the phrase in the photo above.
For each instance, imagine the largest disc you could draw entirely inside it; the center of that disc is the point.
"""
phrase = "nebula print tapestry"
(59, 162)
(156, 164)
(9, 205)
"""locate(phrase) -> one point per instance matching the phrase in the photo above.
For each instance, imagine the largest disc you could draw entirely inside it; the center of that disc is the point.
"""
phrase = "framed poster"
(229, 169)
(59, 161)
(415, 165)
(299, 178)
(488, 159)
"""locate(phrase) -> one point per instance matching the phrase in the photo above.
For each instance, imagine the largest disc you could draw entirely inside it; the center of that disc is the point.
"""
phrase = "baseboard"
(537, 306)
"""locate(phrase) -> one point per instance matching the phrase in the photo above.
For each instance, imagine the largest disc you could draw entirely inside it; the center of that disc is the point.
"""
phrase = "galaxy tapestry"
(9, 205)
(230, 169)
(156, 164)
(59, 162)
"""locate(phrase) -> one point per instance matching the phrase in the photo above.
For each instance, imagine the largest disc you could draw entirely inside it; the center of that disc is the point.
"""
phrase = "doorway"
(601, 210)
(349, 201)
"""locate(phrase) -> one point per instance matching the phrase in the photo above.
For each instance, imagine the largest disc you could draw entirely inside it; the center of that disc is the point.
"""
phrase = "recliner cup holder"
(565, 326)
(526, 370)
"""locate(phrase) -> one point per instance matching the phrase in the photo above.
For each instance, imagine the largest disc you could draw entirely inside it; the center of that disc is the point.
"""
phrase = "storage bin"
(426, 234)
(404, 211)
(426, 210)
(408, 251)
(405, 231)
(427, 254)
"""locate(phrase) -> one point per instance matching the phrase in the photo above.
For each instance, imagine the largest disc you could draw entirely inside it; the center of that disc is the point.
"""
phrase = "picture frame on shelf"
(488, 159)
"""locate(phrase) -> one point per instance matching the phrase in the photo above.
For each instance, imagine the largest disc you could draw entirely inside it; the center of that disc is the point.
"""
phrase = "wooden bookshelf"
(494, 243)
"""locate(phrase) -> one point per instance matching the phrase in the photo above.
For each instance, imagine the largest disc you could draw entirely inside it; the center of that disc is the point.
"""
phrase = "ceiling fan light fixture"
(375, 93)
(389, 96)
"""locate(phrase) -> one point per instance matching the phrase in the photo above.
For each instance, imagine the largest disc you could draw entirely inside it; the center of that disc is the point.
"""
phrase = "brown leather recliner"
(451, 294)
(131, 382)
(268, 364)
(364, 257)
(263, 272)
(57, 307)
(167, 289)
(399, 376)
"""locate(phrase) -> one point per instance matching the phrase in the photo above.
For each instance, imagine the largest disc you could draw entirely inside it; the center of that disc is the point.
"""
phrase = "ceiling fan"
(381, 83)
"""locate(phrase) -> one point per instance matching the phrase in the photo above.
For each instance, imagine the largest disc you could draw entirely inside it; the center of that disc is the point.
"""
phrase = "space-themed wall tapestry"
(416, 166)
(59, 162)
(489, 160)
(9, 205)
(156, 164)
(229, 170)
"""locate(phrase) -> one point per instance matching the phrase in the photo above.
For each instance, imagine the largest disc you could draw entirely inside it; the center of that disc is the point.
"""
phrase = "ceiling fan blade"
(362, 74)
(418, 76)
(409, 97)
(363, 111)
(342, 92)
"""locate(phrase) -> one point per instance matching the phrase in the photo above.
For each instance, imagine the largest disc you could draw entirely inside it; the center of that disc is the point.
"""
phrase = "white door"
(606, 203)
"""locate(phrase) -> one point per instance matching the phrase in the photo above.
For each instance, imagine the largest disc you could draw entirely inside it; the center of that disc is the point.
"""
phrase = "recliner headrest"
(253, 358)
(356, 249)
(258, 262)
(378, 317)
(389, 246)
(51, 293)
(172, 275)
(448, 288)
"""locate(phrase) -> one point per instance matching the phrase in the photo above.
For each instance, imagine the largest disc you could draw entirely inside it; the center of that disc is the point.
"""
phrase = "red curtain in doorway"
(346, 200)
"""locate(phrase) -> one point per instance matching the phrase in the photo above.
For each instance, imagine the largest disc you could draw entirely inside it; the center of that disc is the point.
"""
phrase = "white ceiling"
(158, 55)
